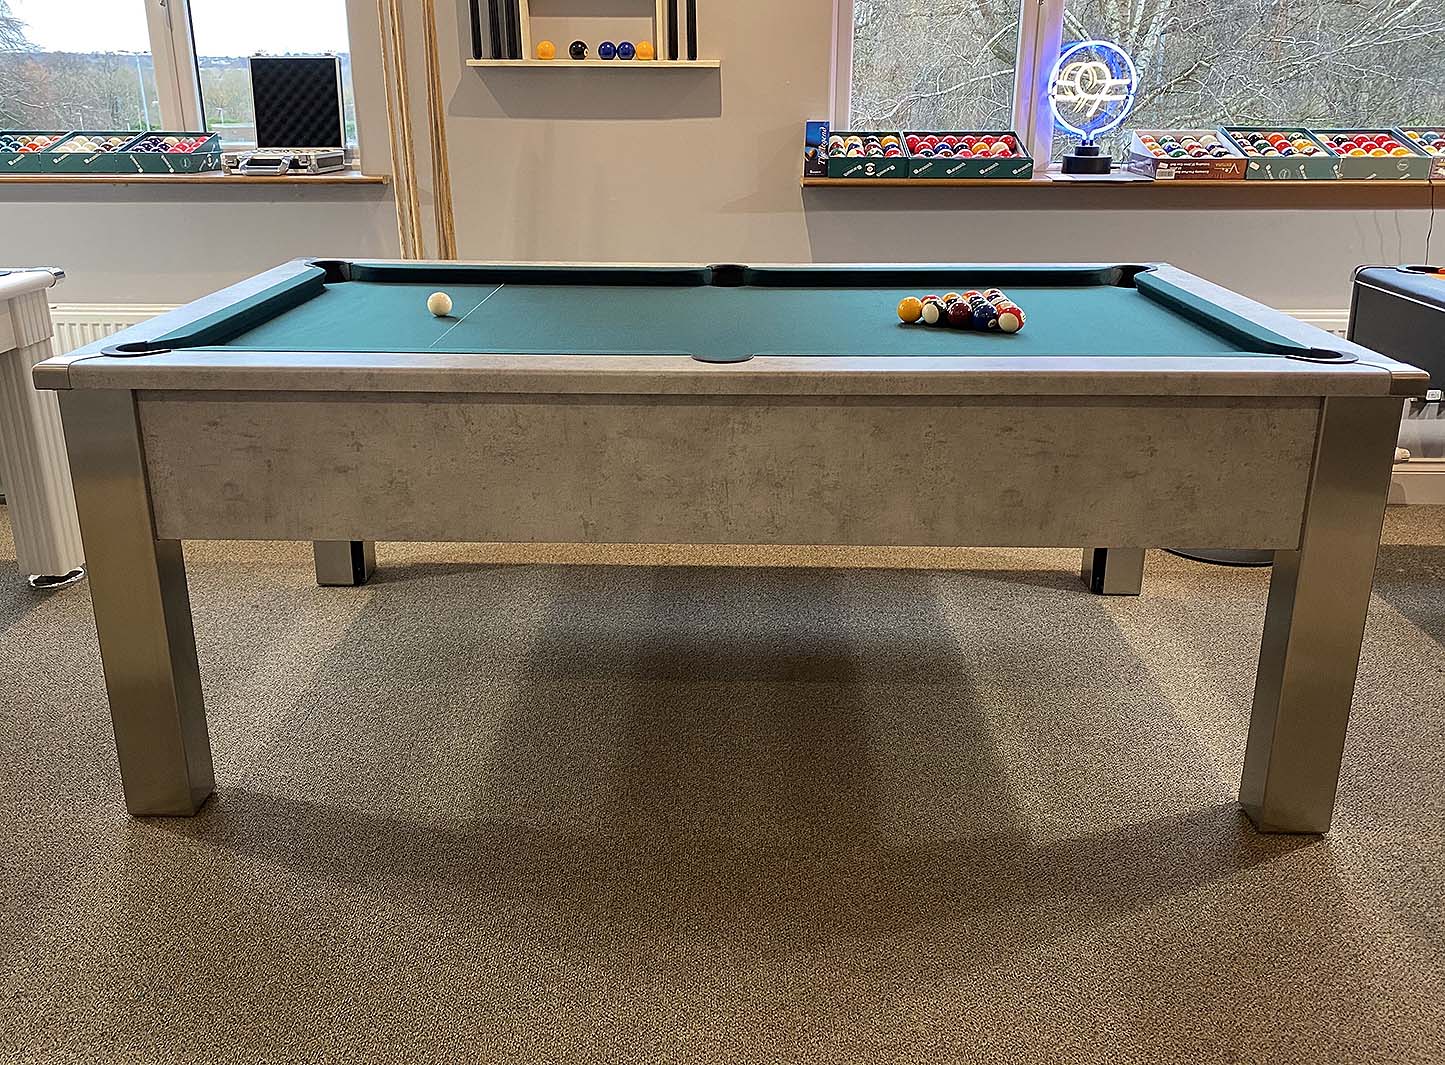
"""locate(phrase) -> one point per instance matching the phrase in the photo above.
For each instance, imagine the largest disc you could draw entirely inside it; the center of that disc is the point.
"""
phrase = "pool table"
(1140, 406)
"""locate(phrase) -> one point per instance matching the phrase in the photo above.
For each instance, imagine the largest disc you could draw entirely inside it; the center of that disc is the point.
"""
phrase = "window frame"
(1041, 34)
(178, 74)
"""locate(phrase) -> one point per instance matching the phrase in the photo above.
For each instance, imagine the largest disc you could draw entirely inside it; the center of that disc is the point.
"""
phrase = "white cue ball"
(440, 304)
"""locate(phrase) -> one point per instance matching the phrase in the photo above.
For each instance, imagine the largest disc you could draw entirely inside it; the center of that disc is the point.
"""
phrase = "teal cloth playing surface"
(716, 324)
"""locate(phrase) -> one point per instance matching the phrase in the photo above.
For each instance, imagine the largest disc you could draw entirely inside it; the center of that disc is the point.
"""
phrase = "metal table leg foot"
(1114, 570)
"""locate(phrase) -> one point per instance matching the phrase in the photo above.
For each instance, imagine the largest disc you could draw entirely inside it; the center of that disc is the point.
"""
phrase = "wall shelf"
(512, 30)
(1225, 195)
(604, 64)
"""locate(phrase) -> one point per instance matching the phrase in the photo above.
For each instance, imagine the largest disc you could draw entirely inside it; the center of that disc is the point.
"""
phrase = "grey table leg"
(1314, 624)
(142, 611)
(1114, 570)
(343, 563)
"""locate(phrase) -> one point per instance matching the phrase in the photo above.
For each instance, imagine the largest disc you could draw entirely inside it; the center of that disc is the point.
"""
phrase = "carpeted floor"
(508, 813)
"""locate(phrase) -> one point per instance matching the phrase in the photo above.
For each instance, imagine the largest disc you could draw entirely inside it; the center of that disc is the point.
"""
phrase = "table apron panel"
(913, 471)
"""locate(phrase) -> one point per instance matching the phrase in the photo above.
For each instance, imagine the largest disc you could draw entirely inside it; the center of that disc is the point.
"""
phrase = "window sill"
(340, 177)
(1039, 180)
(1274, 194)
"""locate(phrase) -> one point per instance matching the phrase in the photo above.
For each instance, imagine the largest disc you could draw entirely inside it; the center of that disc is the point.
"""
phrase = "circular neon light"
(1092, 87)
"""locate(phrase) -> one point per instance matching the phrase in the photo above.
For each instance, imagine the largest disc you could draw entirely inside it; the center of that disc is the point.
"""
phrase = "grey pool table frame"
(1120, 454)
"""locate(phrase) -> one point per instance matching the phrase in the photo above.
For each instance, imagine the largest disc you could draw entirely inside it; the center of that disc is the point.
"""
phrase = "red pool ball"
(960, 314)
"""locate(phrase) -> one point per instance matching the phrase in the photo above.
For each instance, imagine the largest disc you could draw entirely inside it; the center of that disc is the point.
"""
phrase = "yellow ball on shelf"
(644, 50)
(546, 50)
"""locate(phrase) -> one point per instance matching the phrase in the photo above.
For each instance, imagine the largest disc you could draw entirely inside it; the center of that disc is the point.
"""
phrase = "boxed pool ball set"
(1188, 154)
(109, 152)
(1283, 154)
(1376, 154)
(866, 155)
(19, 147)
(1431, 141)
(985, 154)
(974, 154)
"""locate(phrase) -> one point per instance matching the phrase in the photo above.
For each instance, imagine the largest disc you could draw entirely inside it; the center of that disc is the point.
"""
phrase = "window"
(227, 33)
(76, 64)
(156, 64)
(1316, 63)
(922, 65)
(925, 64)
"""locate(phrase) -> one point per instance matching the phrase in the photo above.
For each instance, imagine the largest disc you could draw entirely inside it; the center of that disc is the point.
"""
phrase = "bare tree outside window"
(920, 64)
(54, 85)
(1312, 63)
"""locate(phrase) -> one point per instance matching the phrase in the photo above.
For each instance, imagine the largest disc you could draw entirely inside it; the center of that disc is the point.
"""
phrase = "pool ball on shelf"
(858, 146)
(577, 50)
(1361, 144)
(605, 50)
(1428, 140)
(1267, 144)
(26, 144)
(96, 145)
(1184, 146)
(626, 50)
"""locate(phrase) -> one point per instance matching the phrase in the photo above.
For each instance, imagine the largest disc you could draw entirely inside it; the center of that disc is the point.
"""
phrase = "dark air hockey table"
(1401, 310)
(1140, 406)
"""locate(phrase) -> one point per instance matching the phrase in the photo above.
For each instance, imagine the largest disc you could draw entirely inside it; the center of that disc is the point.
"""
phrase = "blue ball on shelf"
(626, 50)
(607, 50)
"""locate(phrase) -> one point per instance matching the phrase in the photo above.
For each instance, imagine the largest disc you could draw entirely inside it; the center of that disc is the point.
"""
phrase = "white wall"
(677, 166)
(171, 243)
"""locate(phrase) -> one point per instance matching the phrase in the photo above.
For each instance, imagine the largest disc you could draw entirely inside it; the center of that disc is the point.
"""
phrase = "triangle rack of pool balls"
(985, 310)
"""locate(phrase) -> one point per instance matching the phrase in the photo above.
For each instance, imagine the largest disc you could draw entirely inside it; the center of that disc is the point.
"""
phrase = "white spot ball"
(440, 304)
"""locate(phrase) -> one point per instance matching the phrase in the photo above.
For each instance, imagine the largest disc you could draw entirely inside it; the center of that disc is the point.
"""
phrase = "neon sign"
(1092, 87)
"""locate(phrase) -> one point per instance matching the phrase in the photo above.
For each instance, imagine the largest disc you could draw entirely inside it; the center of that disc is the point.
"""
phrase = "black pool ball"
(578, 50)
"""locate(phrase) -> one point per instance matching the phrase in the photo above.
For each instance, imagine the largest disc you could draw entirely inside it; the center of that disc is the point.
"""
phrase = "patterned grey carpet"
(524, 813)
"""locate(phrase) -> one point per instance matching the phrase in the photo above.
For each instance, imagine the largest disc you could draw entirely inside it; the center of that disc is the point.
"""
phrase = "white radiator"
(78, 324)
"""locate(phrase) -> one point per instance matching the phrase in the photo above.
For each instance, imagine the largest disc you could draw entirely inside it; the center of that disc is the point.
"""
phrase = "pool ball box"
(1019, 165)
(1412, 167)
(205, 157)
(1188, 168)
(61, 159)
(17, 162)
(1323, 165)
(867, 166)
(1420, 137)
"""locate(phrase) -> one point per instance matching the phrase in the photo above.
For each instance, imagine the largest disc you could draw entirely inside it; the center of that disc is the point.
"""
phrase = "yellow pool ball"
(910, 309)
(644, 50)
(546, 50)
(440, 304)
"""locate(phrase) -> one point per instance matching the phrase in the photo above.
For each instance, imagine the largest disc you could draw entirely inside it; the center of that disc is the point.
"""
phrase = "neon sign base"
(1087, 159)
